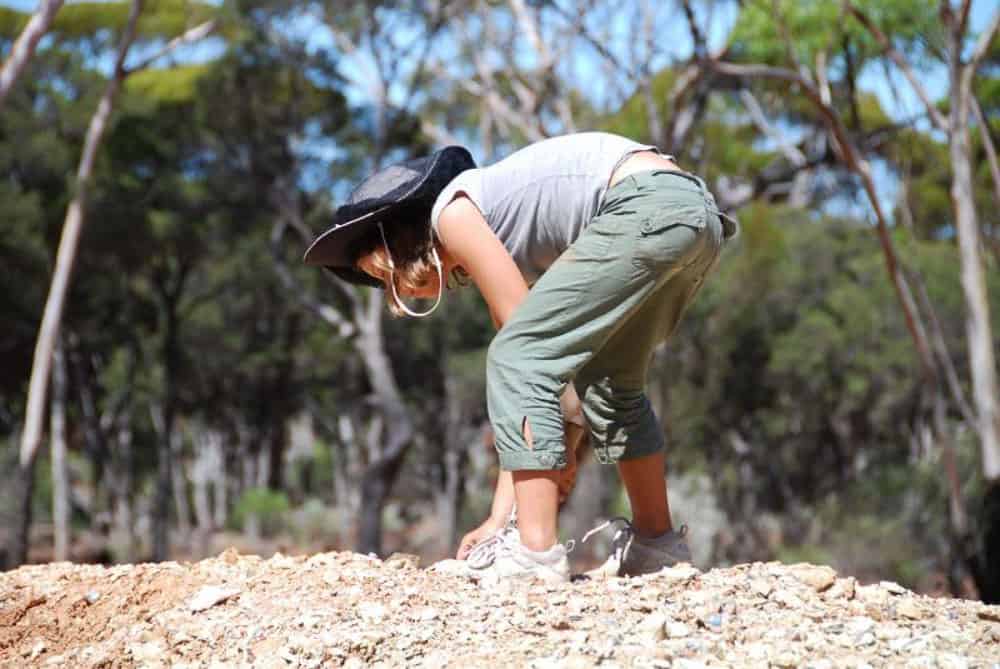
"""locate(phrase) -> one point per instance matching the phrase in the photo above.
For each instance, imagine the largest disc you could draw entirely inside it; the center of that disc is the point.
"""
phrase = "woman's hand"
(481, 533)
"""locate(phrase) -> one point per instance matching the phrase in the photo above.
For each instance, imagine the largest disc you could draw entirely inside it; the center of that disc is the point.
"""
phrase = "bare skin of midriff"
(642, 161)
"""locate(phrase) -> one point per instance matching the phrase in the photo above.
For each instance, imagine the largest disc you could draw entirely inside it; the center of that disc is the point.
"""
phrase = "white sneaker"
(482, 554)
(633, 555)
(507, 558)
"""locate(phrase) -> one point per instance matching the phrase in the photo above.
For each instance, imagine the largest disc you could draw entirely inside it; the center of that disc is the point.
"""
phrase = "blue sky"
(906, 106)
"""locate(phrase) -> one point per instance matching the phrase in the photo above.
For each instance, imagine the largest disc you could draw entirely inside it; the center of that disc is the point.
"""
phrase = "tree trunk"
(60, 474)
(204, 469)
(178, 483)
(982, 361)
(220, 511)
(66, 255)
(161, 496)
(20, 529)
(25, 45)
(124, 514)
(396, 420)
(15, 510)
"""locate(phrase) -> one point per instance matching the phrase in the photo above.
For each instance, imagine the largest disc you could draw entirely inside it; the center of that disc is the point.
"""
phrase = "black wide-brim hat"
(403, 192)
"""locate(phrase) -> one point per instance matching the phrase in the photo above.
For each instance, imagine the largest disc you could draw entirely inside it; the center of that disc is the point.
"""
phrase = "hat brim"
(355, 276)
(335, 246)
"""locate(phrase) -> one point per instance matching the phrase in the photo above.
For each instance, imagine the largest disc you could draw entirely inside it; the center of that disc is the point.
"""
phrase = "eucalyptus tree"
(48, 331)
(24, 46)
(383, 49)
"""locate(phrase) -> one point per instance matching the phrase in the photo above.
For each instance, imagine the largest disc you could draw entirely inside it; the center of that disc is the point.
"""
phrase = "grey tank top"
(539, 199)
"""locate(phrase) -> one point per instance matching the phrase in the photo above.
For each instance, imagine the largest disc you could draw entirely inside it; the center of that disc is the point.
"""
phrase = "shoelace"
(485, 552)
(622, 540)
(502, 543)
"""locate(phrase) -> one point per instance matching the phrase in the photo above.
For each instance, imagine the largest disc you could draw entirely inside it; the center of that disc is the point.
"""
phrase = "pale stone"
(819, 578)
(677, 630)
(652, 627)
(762, 587)
(892, 587)
(908, 608)
(211, 595)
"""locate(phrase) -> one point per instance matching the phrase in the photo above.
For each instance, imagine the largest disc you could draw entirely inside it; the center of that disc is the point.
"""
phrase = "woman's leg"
(537, 495)
(646, 484)
(585, 297)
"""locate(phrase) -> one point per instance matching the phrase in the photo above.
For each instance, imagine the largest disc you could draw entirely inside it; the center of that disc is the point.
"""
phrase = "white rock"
(819, 578)
(762, 587)
(909, 608)
(211, 595)
(450, 568)
(652, 627)
(757, 651)
(951, 661)
(372, 611)
(821, 663)
(787, 599)
(843, 588)
(428, 613)
(787, 658)
(892, 587)
(677, 630)
(684, 663)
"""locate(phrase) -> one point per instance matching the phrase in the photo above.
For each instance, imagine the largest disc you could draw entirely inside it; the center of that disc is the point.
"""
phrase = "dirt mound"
(336, 609)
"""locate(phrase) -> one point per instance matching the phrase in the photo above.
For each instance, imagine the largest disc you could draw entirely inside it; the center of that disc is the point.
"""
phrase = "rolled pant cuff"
(641, 451)
(544, 457)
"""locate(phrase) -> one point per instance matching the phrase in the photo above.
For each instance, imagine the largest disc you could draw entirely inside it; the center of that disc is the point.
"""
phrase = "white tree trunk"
(220, 511)
(982, 360)
(60, 472)
(124, 514)
(206, 470)
(25, 45)
(68, 244)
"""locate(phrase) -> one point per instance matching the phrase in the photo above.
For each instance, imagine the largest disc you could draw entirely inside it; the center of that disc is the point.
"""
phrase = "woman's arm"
(468, 239)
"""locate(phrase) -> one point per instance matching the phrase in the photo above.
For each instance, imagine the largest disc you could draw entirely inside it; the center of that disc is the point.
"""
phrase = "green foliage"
(174, 86)
(12, 22)
(160, 19)
(811, 27)
(269, 507)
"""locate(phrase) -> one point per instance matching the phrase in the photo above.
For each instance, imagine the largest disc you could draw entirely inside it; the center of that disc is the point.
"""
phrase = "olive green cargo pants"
(595, 317)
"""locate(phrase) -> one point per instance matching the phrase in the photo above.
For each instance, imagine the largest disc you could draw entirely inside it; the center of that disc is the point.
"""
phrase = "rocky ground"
(344, 609)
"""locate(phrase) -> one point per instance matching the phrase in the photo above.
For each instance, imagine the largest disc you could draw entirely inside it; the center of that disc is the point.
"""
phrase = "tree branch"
(937, 118)
(858, 165)
(189, 36)
(987, 139)
(985, 40)
(24, 47)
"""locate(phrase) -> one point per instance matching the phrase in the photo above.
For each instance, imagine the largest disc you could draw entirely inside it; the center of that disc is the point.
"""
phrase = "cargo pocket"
(671, 237)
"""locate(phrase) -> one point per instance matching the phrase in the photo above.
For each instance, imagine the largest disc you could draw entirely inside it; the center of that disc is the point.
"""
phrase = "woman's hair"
(411, 247)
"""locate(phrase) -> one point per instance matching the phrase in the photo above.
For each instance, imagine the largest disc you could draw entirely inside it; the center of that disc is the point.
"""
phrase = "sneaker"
(633, 554)
(507, 558)
(482, 554)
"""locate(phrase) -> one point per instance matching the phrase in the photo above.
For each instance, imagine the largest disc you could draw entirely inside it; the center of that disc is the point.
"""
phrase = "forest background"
(174, 380)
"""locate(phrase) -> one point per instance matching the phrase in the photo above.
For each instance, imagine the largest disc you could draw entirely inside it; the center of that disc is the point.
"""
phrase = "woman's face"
(428, 291)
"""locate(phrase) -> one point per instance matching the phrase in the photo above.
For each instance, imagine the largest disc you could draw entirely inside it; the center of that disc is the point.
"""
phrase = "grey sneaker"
(633, 554)
(507, 558)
